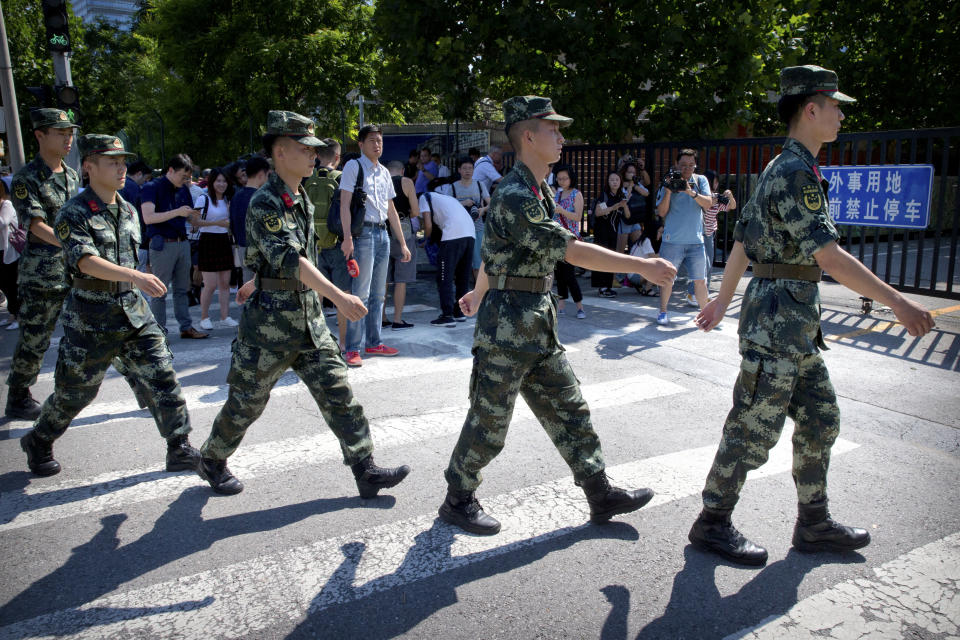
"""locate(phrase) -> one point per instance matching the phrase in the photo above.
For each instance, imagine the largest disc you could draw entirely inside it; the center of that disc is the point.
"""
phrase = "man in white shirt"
(454, 260)
(485, 169)
(371, 248)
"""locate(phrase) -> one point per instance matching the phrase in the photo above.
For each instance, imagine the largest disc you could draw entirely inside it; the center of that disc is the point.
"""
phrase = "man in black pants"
(454, 262)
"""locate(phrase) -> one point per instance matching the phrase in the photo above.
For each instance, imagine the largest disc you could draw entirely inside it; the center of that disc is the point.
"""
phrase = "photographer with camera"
(721, 202)
(681, 201)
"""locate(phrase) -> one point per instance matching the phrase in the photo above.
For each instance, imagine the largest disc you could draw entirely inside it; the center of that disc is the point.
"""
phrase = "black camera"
(674, 181)
(474, 212)
(721, 198)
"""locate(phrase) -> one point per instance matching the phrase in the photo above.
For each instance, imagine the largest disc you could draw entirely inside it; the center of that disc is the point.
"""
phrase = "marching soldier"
(516, 348)
(39, 189)
(106, 316)
(282, 326)
(787, 234)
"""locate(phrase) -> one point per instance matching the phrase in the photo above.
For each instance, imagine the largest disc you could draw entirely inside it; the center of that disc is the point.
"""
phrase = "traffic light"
(43, 94)
(68, 99)
(58, 27)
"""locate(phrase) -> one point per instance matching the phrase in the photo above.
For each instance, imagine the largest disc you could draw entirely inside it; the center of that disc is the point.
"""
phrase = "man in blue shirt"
(166, 204)
(682, 213)
(428, 170)
(137, 174)
(257, 170)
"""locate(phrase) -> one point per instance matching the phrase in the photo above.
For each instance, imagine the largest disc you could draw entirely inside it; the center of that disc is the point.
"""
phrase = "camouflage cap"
(298, 127)
(98, 143)
(520, 108)
(54, 118)
(808, 79)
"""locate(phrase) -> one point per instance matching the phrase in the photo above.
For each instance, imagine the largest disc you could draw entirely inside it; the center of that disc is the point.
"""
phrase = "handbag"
(18, 237)
(357, 208)
(238, 253)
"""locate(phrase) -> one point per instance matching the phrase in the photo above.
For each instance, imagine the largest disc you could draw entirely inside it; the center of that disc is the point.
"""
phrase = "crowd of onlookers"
(194, 236)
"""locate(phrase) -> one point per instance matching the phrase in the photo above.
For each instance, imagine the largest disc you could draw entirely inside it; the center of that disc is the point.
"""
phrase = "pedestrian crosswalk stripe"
(227, 602)
(43, 502)
(914, 593)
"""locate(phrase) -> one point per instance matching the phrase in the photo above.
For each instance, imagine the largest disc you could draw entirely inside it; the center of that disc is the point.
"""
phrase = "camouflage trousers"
(770, 387)
(39, 309)
(552, 392)
(253, 373)
(84, 358)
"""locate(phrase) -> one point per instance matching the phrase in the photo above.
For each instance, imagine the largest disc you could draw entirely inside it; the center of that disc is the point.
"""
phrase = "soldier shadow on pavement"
(101, 565)
(695, 596)
(629, 344)
(99, 418)
(14, 483)
(409, 598)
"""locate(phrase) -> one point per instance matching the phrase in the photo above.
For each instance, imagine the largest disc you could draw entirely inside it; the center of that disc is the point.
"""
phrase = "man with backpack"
(320, 188)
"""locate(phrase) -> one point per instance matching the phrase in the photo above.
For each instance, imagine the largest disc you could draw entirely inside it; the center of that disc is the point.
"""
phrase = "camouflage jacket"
(785, 222)
(280, 232)
(520, 239)
(36, 193)
(87, 227)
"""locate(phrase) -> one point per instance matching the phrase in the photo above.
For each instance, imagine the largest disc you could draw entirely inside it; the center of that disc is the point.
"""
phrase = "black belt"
(376, 225)
(178, 239)
(281, 284)
(110, 286)
(772, 271)
(517, 283)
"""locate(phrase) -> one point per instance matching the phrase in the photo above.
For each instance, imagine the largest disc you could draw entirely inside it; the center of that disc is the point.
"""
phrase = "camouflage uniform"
(782, 372)
(516, 348)
(102, 325)
(43, 284)
(284, 329)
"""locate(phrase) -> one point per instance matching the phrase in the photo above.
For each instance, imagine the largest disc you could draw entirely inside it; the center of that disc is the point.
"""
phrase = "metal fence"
(919, 261)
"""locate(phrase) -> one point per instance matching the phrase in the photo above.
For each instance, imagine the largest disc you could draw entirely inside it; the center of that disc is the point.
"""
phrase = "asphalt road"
(113, 547)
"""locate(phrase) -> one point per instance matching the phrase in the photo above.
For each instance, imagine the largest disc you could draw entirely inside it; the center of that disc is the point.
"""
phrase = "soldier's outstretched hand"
(917, 320)
(149, 284)
(246, 291)
(351, 307)
(659, 271)
(711, 315)
(470, 302)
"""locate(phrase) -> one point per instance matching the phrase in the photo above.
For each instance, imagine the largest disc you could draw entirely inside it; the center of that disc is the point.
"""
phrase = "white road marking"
(919, 590)
(41, 502)
(225, 602)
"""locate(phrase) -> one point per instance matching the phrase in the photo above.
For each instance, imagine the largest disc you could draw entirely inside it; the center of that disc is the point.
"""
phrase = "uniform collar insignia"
(287, 200)
(93, 206)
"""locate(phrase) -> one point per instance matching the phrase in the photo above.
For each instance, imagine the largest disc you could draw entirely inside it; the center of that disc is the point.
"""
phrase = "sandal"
(607, 293)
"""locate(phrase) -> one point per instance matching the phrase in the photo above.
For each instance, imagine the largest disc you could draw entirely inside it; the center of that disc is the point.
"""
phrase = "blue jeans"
(708, 242)
(691, 255)
(172, 265)
(371, 250)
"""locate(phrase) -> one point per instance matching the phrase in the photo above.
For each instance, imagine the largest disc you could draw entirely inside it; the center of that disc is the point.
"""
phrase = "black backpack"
(357, 208)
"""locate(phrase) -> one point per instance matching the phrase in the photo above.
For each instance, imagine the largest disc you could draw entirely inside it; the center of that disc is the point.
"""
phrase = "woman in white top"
(9, 264)
(471, 193)
(215, 252)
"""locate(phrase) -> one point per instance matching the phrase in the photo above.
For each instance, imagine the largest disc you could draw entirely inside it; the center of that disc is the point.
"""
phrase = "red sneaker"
(352, 358)
(380, 350)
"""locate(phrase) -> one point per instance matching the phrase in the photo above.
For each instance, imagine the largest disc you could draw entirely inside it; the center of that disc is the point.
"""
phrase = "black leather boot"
(181, 456)
(817, 531)
(20, 404)
(371, 478)
(218, 475)
(607, 501)
(714, 532)
(39, 455)
(462, 509)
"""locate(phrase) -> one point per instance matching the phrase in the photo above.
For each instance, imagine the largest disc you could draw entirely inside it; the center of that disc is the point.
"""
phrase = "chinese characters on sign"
(894, 195)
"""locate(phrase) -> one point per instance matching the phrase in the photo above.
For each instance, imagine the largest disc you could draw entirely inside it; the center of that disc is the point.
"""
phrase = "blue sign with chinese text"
(890, 195)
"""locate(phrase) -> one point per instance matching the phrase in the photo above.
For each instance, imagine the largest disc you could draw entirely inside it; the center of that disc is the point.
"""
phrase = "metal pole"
(61, 70)
(163, 154)
(360, 102)
(11, 117)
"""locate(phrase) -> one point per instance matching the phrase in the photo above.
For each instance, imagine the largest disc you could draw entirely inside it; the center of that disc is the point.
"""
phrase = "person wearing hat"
(516, 348)
(282, 325)
(786, 232)
(105, 315)
(38, 190)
